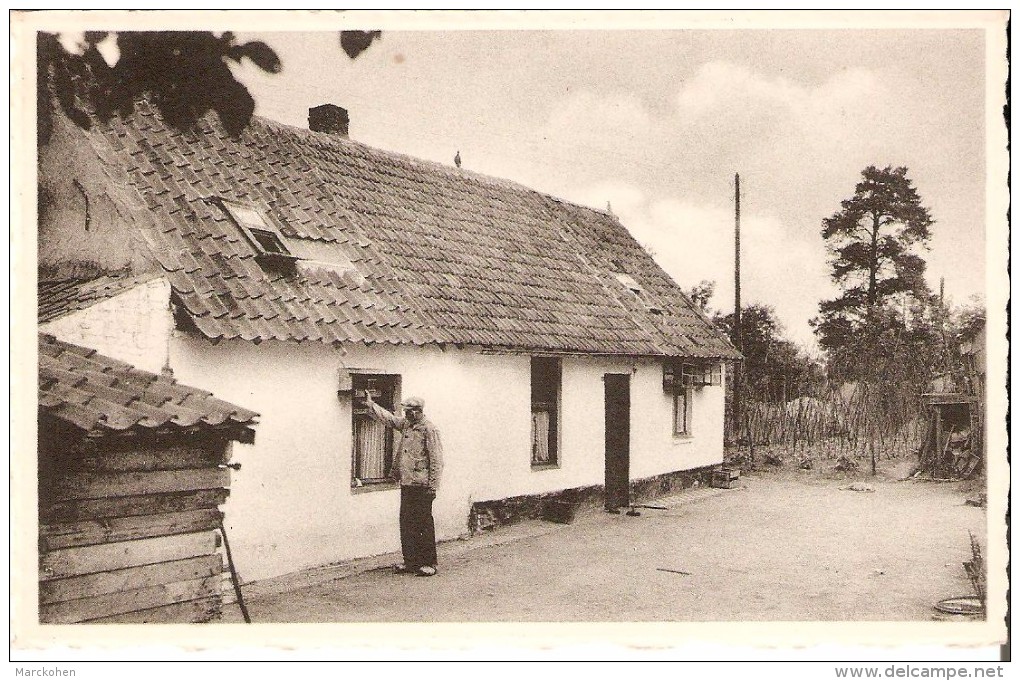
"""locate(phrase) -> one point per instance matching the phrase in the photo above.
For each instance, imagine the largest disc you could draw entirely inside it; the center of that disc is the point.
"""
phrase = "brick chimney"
(328, 118)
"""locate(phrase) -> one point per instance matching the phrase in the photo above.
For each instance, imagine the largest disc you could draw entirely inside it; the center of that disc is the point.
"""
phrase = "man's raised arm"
(383, 414)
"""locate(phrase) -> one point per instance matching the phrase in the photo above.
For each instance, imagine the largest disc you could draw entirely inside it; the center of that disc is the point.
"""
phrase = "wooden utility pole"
(946, 351)
(736, 263)
(737, 337)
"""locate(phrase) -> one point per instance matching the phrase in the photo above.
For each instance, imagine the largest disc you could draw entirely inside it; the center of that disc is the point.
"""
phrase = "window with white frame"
(679, 380)
(373, 440)
(546, 373)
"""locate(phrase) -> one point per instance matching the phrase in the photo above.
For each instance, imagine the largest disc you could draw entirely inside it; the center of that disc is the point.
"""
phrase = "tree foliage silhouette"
(701, 294)
(184, 74)
(772, 364)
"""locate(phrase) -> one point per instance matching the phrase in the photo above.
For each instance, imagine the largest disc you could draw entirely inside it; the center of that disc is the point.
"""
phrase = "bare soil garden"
(787, 544)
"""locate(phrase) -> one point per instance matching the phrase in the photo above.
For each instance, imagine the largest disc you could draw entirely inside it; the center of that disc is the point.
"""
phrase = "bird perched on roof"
(456, 159)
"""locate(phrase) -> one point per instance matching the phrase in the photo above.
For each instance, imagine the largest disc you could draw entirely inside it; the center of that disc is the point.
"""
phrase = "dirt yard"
(786, 545)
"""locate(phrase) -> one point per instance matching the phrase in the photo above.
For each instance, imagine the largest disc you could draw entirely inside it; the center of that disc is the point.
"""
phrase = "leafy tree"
(773, 366)
(701, 294)
(871, 241)
(967, 319)
(184, 74)
(966, 322)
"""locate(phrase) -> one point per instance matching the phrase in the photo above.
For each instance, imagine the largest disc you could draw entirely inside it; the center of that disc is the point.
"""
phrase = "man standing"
(417, 465)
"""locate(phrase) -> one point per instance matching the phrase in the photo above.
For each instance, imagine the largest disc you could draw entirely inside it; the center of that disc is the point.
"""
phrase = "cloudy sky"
(656, 123)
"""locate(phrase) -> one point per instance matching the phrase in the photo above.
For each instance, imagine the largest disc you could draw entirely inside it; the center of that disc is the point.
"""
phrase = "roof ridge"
(502, 182)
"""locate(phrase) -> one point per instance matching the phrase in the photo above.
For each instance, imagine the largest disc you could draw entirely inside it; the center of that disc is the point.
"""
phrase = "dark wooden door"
(617, 440)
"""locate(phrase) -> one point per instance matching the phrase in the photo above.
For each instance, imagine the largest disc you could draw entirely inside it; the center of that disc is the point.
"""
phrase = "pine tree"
(871, 240)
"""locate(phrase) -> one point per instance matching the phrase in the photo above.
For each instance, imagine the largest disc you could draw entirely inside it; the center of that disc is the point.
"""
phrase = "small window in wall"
(373, 440)
(678, 382)
(545, 411)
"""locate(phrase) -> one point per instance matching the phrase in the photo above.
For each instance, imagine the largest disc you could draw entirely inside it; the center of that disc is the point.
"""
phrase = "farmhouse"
(290, 270)
(132, 471)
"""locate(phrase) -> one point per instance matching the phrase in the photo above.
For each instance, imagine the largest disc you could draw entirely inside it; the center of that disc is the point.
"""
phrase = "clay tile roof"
(390, 249)
(102, 395)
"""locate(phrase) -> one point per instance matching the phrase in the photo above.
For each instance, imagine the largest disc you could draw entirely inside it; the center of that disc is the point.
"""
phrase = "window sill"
(544, 466)
(375, 487)
(682, 439)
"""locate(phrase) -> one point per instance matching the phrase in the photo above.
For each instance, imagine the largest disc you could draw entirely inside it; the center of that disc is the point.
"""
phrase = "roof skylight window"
(628, 281)
(263, 234)
(647, 300)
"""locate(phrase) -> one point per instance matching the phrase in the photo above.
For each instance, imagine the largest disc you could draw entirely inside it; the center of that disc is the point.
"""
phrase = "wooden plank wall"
(127, 529)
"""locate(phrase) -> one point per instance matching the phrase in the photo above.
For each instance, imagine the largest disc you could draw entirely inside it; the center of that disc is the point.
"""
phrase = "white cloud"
(605, 120)
(659, 126)
(790, 133)
(799, 147)
(723, 86)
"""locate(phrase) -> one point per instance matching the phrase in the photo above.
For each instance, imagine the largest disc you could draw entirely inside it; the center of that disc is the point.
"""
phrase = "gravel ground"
(786, 545)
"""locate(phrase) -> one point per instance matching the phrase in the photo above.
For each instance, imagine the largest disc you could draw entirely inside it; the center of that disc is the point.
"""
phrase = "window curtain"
(680, 425)
(371, 448)
(540, 437)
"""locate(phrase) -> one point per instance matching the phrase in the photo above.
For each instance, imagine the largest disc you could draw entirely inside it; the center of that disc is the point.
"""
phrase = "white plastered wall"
(291, 504)
(133, 326)
(653, 449)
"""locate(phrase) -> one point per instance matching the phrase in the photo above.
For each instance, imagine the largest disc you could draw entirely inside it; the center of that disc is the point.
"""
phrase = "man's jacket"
(418, 459)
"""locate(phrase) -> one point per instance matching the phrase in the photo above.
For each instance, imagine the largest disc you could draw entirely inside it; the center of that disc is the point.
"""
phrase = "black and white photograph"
(647, 327)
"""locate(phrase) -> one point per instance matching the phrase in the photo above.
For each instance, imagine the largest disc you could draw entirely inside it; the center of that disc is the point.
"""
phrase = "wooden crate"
(725, 478)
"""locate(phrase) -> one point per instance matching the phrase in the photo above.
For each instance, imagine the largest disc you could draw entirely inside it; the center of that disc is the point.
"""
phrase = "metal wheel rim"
(960, 605)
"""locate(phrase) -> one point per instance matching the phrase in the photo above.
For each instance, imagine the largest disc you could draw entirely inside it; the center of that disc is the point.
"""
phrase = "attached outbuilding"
(132, 475)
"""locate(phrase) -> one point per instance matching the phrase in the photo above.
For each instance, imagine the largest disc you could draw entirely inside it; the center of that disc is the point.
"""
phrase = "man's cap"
(413, 403)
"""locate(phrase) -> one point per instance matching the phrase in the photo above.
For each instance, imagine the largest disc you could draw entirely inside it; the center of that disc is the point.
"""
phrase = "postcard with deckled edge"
(410, 330)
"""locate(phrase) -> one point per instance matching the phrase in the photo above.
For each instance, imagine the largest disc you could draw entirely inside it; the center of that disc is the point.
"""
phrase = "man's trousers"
(417, 527)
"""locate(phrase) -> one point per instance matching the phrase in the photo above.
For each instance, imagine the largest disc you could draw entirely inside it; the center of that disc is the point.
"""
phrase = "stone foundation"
(488, 515)
(647, 489)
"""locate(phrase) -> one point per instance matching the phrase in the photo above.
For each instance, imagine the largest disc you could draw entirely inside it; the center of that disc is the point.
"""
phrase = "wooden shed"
(954, 446)
(133, 467)
(951, 447)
